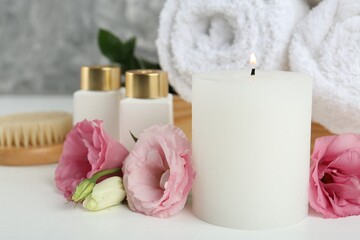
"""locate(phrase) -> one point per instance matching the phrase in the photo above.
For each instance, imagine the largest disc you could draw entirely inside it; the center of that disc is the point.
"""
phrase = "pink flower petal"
(160, 150)
(87, 150)
(348, 163)
(334, 187)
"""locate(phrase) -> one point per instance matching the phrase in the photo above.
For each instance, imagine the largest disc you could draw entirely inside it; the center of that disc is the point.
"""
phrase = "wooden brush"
(33, 138)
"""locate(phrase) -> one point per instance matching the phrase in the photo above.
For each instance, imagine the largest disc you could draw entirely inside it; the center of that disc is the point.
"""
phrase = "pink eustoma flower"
(158, 173)
(87, 150)
(335, 176)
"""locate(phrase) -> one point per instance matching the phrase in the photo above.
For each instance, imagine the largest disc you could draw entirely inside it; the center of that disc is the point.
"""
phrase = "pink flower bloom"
(158, 174)
(87, 150)
(335, 176)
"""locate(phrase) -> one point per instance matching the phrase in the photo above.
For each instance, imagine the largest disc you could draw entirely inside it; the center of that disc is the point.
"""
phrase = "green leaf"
(121, 52)
(133, 63)
(129, 47)
(149, 65)
(110, 46)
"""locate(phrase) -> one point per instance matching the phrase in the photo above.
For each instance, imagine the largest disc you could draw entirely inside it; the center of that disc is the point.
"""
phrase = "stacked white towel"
(197, 35)
(326, 45)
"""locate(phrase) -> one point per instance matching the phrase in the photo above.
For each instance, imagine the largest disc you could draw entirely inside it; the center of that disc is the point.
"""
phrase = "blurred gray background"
(43, 43)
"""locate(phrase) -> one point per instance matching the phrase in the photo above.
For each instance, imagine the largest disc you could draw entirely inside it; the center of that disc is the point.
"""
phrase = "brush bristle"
(37, 129)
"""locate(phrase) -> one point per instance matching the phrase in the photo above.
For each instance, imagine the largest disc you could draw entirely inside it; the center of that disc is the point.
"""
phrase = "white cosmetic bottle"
(99, 97)
(147, 103)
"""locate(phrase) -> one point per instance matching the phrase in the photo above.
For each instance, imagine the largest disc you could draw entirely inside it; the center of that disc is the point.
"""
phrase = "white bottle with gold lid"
(99, 97)
(147, 103)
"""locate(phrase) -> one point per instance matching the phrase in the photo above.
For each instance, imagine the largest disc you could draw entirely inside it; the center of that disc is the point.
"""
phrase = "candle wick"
(253, 71)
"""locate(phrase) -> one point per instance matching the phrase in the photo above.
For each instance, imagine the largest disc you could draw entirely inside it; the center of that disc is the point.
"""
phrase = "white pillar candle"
(251, 148)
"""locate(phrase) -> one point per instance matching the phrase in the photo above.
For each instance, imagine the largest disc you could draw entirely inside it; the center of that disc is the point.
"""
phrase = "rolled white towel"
(197, 35)
(326, 45)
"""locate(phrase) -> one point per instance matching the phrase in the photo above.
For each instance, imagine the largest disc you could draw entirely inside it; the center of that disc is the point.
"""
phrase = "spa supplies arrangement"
(33, 138)
(251, 148)
(155, 175)
(147, 103)
(99, 97)
(326, 46)
(251, 128)
(196, 37)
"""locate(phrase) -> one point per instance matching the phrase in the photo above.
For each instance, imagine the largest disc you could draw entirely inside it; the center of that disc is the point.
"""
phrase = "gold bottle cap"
(146, 83)
(100, 78)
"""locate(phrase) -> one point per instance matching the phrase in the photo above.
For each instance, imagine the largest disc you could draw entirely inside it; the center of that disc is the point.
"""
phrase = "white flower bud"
(107, 193)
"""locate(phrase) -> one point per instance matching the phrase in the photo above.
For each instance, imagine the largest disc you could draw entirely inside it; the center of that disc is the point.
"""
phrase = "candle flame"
(252, 59)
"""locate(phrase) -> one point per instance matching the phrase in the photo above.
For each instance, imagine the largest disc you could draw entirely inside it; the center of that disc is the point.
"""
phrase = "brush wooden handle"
(13, 156)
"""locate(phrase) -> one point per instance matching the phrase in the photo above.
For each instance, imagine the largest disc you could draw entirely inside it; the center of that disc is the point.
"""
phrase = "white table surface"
(32, 208)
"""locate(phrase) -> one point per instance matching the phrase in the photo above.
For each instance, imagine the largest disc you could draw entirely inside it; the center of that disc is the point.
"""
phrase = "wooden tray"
(30, 156)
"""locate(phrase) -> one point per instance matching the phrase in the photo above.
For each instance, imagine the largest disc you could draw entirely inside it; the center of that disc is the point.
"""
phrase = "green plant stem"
(100, 174)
